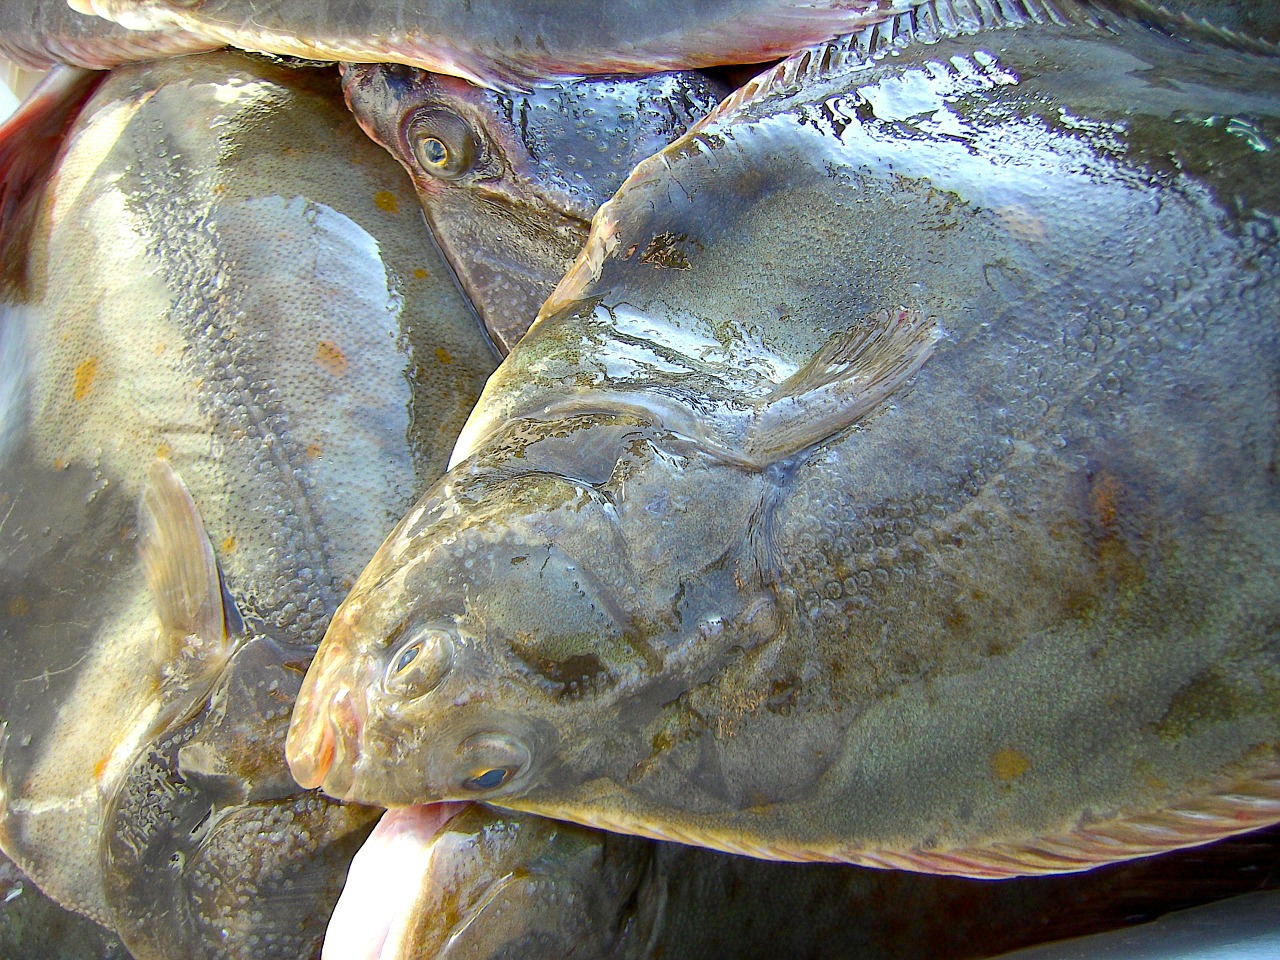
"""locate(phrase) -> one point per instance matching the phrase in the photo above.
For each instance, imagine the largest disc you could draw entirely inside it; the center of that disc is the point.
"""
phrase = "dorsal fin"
(934, 20)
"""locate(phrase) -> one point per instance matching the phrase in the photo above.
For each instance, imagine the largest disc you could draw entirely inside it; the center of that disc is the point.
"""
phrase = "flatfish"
(891, 480)
(238, 360)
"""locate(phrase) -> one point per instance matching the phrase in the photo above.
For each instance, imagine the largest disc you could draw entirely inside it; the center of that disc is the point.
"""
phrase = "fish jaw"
(328, 719)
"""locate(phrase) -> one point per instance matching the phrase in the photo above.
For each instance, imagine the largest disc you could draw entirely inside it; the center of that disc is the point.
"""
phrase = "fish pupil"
(434, 152)
(408, 657)
(488, 780)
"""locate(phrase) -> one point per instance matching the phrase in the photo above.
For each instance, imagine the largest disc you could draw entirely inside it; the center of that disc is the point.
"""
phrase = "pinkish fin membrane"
(29, 142)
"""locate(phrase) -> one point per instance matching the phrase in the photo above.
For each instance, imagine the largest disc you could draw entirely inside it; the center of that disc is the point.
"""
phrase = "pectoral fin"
(854, 372)
(182, 574)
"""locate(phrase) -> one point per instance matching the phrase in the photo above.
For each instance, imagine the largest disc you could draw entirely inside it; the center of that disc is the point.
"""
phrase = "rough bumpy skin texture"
(228, 281)
(892, 479)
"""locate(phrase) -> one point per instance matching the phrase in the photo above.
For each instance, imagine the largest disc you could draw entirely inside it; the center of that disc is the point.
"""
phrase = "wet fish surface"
(502, 44)
(40, 33)
(465, 880)
(891, 480)
(509, 182)
(238, 360)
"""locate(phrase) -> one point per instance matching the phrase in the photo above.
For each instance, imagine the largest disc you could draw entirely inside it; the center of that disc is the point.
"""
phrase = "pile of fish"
(883, 468)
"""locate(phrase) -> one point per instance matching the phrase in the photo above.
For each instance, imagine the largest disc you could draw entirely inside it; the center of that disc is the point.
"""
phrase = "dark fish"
(891, 480)
(510, 182)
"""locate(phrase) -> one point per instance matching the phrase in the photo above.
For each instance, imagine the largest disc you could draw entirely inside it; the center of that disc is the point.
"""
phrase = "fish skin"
(41, 33)
(497, 44)
(1014, 621)
(484, 884)
(514, 209)
(226, 277)
(33, 927)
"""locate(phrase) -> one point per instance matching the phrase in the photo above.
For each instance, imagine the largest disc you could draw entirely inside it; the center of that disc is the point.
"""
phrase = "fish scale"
(153, 484)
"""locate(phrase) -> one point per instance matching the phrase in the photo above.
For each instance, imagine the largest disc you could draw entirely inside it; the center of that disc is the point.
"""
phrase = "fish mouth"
(375, 916)
(328, 721)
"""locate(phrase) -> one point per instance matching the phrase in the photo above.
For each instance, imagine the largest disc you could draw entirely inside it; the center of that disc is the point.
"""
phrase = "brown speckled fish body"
(235, 316)
(891, 480)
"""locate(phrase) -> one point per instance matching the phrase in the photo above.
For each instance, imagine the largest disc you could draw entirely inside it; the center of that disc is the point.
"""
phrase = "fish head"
(459, 667)
(509, 182)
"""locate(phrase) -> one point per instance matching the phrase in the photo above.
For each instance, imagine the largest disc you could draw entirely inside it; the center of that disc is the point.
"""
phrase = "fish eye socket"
(443, 144)
(417, 666)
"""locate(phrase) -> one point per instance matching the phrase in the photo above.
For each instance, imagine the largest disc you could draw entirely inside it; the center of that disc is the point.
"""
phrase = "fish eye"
(491, 760)
(442, 144)
(488, 780)
(418, 665)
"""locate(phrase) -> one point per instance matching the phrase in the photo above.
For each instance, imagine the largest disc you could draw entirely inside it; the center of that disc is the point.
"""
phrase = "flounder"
(235, 319)
(500, 43)
(509, 182)
(891, 480)
(41, 33)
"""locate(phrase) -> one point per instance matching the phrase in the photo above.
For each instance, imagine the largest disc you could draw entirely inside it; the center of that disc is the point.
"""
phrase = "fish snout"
(328, 718)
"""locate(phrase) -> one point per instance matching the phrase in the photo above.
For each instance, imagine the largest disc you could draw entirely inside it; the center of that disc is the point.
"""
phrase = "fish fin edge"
(854, 372)
(182, 574)
(29, 147)
(1237, 807)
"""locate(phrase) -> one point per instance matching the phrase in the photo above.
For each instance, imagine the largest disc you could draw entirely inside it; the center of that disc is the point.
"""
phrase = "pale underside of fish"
(236, 318)
(923, 399)
(503, 44)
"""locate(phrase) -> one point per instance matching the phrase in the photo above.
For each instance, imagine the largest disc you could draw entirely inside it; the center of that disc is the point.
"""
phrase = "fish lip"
(328, 722)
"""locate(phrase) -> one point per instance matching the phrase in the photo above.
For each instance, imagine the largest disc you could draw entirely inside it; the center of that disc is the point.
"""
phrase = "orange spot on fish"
(386, 200)
(331, 358)
(85, 374)
(1009, 764)
(443, 355)
(18, 607)
(420, 274)
(59, 464)
(229, 544)
(164, 451)
(1104, 498)
(100, 767)
(314, 450)
(160, 348)
(1021, 223)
